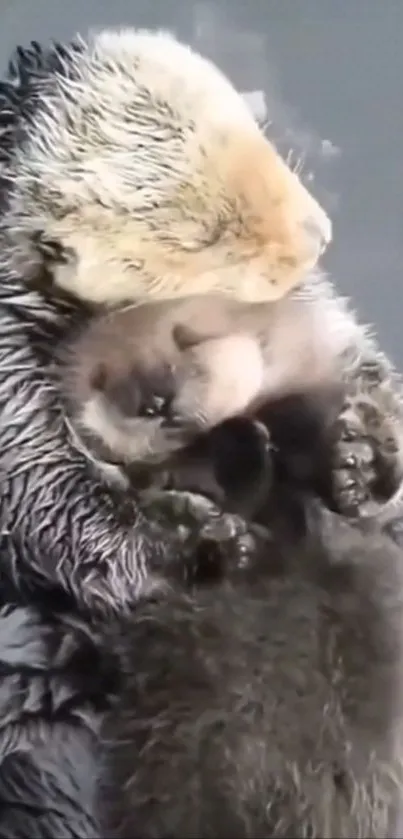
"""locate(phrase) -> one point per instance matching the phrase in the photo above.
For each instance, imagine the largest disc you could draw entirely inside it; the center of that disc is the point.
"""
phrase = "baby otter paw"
(368, 461)
(235, 558)
(211, 540)
(192, 513)
(223, 541)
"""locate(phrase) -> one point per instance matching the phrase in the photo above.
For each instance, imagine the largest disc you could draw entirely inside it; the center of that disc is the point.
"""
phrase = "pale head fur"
(148, 167)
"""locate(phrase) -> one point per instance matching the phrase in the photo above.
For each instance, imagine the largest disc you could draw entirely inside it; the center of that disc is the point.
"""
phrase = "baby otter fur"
(150, 387)
(131, 170)
(145, 380)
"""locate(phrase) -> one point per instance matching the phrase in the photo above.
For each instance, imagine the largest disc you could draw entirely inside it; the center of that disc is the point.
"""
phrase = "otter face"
(126, 414)
(148, 169)
(143, 400)
(146, 379)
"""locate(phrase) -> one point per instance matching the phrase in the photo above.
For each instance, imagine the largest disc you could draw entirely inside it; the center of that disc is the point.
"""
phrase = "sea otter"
(250, 695)
(175, 392)
(130, 170)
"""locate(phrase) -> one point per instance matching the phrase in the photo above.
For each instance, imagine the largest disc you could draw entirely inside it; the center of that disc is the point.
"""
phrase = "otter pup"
(145, 384)
(131, 170)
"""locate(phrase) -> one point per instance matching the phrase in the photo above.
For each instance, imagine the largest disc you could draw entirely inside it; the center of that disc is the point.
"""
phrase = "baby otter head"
(146, 170)
(148, 379)
(140, 384)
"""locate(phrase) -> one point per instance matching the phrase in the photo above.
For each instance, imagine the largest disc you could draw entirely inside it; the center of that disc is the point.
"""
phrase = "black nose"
(156, 406)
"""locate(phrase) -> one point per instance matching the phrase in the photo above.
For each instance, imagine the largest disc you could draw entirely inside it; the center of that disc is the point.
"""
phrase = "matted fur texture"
(130, 167)
(270, 706)
(115, 184)
(54, 688)
(101, 198)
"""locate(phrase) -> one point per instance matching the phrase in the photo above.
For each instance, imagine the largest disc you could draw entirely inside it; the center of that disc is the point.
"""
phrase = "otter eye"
(207, 237)
(213, 235)
(160, 403)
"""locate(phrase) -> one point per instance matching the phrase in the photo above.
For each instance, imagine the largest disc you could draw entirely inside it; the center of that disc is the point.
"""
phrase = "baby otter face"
(140, 385)
(157, 182)
(129, 414)
(147, 380)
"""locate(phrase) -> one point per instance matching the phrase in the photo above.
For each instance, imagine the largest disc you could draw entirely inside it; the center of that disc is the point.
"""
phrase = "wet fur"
(269, 706)
(69, 542)
(233, 228)
(60, 674)
(66, 538)
(55, 685)
(184, 216)
(263, 702)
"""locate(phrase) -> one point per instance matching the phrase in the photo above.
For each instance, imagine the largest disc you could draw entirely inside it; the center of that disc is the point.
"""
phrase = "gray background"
(331, 72)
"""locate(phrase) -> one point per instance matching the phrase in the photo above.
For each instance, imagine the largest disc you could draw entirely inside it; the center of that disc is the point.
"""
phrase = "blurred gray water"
(331, 73)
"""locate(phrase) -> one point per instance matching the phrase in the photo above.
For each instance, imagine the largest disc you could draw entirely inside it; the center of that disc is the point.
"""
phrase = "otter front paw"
(213, 543)
(368, 461)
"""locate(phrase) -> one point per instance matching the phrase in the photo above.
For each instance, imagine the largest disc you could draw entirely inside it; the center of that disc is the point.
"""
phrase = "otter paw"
(190, 513)
(211, 540)
(368, 464)
(238, 557)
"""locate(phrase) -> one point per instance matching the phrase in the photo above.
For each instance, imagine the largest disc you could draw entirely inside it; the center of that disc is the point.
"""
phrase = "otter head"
(143, 384)
(144, 171)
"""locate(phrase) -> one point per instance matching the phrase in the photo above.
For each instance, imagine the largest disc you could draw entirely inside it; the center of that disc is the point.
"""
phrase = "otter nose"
(319, 229)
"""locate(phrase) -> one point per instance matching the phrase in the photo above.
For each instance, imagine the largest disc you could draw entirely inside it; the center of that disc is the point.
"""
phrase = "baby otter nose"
(319, 228)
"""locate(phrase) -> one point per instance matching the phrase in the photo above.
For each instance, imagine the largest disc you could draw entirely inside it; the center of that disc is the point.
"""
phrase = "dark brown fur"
(267, 704)
(270, 706)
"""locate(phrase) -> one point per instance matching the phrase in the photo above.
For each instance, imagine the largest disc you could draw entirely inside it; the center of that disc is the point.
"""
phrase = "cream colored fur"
(136, 172)
(148, 166)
